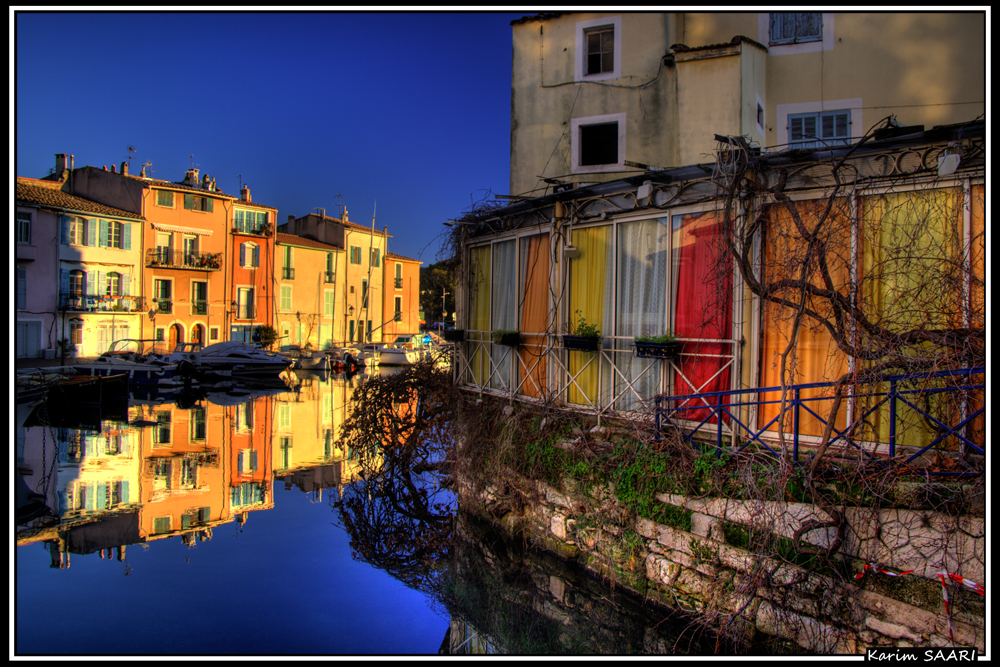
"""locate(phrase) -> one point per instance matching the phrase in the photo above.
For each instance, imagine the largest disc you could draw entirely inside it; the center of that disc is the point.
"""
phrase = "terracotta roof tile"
(48, 193)
(293, 239)
(392, 255)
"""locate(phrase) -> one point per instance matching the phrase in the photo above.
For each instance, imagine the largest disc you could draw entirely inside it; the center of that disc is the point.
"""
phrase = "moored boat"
(230, 359)
(129, 357)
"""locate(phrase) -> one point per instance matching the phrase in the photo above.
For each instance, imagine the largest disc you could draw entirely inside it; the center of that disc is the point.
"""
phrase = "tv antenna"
(131, 149)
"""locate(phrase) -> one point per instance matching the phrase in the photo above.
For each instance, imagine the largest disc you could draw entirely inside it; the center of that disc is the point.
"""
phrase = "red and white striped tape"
(943, 576)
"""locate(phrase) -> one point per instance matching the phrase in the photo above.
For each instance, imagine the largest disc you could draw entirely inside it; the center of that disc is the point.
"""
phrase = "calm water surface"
(237, 522)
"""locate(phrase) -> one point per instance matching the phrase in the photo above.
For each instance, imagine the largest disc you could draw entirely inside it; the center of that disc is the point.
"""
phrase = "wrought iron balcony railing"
(179, 259)
(100, 303)
(288, 273)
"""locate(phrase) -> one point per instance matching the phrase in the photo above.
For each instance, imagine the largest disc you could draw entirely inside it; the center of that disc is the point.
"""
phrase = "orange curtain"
(534, 314)
(816, 357)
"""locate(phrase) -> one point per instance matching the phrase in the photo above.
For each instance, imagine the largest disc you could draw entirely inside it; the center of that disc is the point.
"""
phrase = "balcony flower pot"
(508, 338)
(454, 335)
(657, 347)
(581, 343)
(657, 350)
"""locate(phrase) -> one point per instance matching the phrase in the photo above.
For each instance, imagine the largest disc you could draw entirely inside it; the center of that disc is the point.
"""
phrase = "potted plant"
(508, 337)
(664, 346)
(585, 337)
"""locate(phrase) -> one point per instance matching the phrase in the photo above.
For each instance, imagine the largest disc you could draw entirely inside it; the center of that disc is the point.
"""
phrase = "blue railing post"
(795, 421)
(718, 429)
(892, 418)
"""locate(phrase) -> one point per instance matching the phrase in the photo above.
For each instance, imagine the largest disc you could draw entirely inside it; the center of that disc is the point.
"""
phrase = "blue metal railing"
(723, 409)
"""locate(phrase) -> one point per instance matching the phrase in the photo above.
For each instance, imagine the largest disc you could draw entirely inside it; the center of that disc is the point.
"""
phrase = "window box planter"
(581, 343)
(657, 350)
(454, 335)
(508, 338)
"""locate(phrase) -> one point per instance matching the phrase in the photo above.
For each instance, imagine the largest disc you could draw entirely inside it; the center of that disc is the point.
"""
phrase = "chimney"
(245, 193)
(62, 163)
(213, 184)
(345, 216)
(124, 169)
(191, 177)
(205, 182)
(113, 170)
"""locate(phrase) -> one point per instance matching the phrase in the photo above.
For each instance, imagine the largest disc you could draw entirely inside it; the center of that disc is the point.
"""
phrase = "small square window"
(819, 129)
(796, 27)
(599, 144)
(165, 198)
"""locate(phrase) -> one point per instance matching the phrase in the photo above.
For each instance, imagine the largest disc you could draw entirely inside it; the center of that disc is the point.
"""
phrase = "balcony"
(199, 307)
(87, 303)
(178, 259)
(287, 273)
(165, 306)
(329, 277)
(260, 230)
(398, 283)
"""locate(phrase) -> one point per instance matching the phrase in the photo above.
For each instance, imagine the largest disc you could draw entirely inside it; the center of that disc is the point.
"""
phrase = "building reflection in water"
(179, 465)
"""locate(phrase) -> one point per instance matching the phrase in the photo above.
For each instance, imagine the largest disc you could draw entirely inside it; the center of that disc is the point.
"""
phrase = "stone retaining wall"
(697, 569)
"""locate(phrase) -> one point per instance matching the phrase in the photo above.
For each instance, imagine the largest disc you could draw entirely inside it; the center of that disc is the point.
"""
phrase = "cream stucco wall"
(545, 96)
(924, 68)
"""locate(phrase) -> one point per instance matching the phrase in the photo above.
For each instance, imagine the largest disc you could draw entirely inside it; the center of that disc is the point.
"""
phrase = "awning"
(184, 230)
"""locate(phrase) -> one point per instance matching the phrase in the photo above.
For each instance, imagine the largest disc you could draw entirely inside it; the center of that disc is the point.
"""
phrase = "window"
(162, 292)
(193, 203)
(161, 434)
(199, 298)
(113, 234)
(23, 227)
(330, 275)
(355, 254)
(114, 284)
(249, 222)
(247, 461)
(286, 298)
(22, 288)
(376, 256)
(329, 299)
(213, 333)
(165, 198)
(287, 270)
(244, 303)
(364, 293)
(796, 27)
(197, 423)
(76, 331)
(399, 309)
(77, 283)
(76, 231)
(819, 129)
(249, 255)
(399, 276)
(598, 143)
(598, 49)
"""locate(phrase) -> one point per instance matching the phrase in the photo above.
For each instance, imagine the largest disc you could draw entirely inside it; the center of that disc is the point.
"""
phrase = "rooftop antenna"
(131, 149)
(148, 164)
(191, 157)
(340, 198)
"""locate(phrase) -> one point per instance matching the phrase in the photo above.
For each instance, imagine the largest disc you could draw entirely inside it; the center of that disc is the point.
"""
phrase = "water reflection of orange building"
(183, 487)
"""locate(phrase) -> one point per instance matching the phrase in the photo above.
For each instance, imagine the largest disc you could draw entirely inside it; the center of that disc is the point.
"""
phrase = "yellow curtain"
(816, 357)
(534, 314)
(590, 277)
(480, 289)
(912, 253)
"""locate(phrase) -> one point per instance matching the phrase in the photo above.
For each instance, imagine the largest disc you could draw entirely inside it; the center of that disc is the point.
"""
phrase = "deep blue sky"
(406, 115)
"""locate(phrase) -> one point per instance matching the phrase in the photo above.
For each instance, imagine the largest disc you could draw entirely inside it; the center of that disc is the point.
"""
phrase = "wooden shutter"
(126, 236)
(65, 221)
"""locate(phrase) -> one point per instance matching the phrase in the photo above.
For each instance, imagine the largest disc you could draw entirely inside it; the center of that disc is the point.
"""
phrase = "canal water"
(236, 522)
